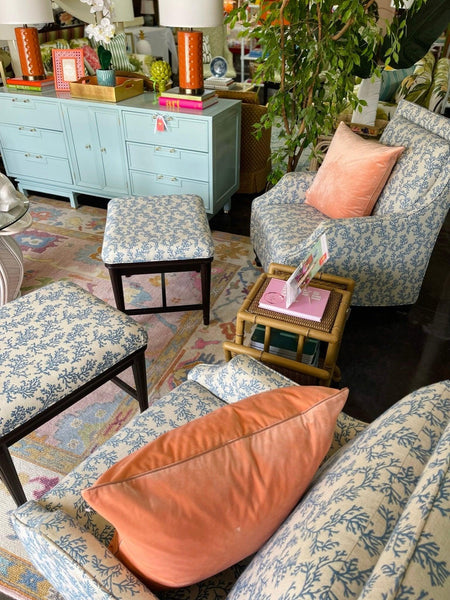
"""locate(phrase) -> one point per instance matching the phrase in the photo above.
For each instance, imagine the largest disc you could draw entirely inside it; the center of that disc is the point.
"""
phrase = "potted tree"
(314, 49)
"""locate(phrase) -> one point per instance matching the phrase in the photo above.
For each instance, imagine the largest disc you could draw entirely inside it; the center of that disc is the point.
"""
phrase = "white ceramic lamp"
(181, 13)
(15, 12)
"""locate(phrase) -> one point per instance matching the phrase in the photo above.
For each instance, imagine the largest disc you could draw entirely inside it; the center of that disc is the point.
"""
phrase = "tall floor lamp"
(15, 12)
(181, 13)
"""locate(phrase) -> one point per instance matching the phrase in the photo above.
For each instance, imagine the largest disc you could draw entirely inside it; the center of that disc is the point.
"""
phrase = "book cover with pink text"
(309, 304)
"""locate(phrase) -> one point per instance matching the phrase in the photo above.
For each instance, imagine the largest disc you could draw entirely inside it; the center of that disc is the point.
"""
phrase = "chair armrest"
(242, 376)
(72, 559)
(290, 189)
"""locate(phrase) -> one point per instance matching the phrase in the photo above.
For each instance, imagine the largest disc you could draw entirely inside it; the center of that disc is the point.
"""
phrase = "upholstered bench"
(158, 234)
(58, 344)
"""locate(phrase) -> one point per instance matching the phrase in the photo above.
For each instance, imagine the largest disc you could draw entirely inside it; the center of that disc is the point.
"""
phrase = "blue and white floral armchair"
(386, 253)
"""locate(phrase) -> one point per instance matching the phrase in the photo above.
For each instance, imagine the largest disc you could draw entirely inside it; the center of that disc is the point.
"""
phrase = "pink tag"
(160, 124)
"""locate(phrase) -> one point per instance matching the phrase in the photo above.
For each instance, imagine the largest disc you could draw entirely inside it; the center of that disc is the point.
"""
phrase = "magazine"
(306, 270)
(309, 304)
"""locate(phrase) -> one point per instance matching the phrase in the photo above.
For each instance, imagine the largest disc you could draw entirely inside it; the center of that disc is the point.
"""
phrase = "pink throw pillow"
(352, 175)
(203, 496)
(91, 58)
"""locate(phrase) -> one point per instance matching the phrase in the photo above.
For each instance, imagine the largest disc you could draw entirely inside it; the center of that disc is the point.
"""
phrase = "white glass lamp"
(182, 13)
(15, 12)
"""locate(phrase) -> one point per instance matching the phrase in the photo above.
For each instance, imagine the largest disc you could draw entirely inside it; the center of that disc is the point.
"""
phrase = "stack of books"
(310, 303)
(173, 98)
(284, 343)
(218, 83)
(31, 85)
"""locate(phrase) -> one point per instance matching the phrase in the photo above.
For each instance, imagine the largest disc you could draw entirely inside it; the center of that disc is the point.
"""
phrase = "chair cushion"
(212, 491)
(390, 81)
(439, 85)
(54, 340)
(156, 228)
(329, 545)
(352, 175)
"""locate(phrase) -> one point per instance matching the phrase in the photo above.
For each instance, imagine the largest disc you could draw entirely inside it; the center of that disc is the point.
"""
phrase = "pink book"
(183, 103)
(309, 304)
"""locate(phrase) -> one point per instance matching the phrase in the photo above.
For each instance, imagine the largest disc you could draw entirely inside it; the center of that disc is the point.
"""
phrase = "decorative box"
(87, 88)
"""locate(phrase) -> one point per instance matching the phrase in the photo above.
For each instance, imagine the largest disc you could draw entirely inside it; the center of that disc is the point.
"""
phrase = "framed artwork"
(68, 65)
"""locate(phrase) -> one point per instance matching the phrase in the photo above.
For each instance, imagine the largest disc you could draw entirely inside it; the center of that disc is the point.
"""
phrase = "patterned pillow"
(439, 86)
(117, 47)
(207, 56)
(390, 81)
(330, 544)
(414, 87)
(46, 53)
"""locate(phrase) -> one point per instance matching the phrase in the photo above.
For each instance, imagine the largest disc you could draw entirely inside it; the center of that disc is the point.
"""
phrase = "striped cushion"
(118, 49)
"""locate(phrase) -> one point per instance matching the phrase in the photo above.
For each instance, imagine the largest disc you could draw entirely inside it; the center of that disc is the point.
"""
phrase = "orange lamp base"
(190, 59)
(29, 53)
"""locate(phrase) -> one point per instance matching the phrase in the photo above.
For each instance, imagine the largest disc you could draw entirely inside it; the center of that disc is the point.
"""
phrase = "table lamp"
(201, 13)
(16, 12)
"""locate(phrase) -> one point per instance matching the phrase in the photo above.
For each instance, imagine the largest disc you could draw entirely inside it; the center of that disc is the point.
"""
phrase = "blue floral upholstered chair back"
(386, 253)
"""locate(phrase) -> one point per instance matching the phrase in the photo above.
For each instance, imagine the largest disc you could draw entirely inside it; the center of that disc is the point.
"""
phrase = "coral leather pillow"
(205, 495)
(352, 175)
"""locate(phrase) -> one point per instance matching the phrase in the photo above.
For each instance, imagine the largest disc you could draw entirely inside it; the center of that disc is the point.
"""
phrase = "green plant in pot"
(314, 50)
(105, 75)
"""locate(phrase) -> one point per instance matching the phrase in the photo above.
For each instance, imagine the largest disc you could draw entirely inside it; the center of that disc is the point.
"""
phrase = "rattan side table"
(329, 330)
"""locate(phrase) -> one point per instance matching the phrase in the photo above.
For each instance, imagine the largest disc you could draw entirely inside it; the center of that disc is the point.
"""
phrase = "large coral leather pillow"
(205, 495)
(352, 175)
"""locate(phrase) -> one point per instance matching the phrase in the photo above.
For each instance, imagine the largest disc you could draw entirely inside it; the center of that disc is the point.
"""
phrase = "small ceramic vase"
(106, 77)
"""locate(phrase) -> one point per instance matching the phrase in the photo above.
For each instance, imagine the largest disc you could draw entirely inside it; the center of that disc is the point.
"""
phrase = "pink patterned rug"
(63, 243)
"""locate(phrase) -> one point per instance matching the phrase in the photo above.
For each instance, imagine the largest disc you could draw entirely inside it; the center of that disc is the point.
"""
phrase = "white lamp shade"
(123, 10)
(186, 13)
(147, 7)
(20, 12)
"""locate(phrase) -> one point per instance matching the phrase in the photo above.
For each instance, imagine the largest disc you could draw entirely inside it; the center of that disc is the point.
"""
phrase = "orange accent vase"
(190, 58)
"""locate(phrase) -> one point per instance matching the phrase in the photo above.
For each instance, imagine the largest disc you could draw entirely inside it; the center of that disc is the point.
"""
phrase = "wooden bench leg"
(117, 286)
(205, 273)
(140, 381)
(9, 476)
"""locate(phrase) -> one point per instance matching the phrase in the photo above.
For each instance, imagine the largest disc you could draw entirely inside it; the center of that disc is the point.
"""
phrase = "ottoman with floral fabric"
(158, 234)
(374, 522)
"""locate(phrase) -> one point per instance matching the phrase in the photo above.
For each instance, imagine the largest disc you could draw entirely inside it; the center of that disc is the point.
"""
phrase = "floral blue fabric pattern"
(386, 253)
(156, 228)
(54, 340)
(332, 541)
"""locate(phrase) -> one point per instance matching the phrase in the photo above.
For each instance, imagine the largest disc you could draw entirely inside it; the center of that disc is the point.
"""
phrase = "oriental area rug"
(65, 244)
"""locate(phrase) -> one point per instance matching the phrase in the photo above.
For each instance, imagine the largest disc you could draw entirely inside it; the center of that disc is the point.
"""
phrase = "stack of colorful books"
(174, 98)
(31, 85)
(284, 343)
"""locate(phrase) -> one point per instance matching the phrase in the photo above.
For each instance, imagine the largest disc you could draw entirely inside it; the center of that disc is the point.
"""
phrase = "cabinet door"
(85, 145)
(112, 150)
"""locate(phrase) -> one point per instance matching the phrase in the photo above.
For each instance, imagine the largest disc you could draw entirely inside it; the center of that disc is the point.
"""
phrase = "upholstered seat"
(58, 344)
(158, 234)
(386, 253)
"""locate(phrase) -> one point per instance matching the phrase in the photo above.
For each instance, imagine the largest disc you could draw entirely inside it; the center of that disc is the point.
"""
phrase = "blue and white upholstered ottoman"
(158, 234)
(58, 344)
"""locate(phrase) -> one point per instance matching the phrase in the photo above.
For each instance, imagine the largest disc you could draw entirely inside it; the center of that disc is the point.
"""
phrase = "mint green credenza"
(66, 146)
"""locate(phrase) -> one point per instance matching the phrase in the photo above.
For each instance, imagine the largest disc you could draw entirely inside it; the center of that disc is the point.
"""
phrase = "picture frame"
(68, 65)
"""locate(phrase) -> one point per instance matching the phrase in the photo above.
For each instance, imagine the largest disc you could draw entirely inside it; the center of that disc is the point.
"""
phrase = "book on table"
(306, 270)
(310, 303)
(176, 93)
(182, 103)
(218, 83)
(36, 85)
(284, 343)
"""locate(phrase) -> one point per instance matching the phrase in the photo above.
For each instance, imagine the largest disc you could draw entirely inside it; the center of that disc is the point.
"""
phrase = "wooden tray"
(87, 88)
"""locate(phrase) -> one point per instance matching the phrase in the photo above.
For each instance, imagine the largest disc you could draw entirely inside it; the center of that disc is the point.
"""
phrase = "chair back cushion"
(422, 172)
(332, 541)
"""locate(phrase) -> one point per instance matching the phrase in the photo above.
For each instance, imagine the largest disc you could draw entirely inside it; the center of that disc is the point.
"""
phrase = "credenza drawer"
(31, 139)
(190, 134)
(168, 161)
(150, 184)
(37, 166)
(31, 112)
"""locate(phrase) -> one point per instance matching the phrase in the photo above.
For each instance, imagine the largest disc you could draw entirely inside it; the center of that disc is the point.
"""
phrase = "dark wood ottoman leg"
(9, 476)
(205, 273)
(117, 286)
(140, 380)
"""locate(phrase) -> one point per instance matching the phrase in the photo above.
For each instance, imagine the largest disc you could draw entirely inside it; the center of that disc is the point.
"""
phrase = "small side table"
(329, 330)
(11, 260)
